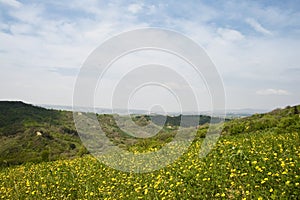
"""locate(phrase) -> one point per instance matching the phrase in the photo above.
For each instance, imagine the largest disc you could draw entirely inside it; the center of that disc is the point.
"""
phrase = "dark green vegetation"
(278, 121)
(31, 133)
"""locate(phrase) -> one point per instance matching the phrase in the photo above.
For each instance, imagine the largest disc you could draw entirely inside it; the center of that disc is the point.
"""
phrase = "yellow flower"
(27, 183)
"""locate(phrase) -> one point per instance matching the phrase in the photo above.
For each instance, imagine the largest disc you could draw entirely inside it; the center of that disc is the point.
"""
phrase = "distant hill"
(33, 133)
(280, 120)
(230, 113)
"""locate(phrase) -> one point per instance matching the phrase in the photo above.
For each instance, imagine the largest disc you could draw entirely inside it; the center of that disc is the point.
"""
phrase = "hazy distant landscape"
(230, 113)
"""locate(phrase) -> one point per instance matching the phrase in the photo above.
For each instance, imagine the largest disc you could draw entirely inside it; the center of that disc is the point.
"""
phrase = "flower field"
(246, 166)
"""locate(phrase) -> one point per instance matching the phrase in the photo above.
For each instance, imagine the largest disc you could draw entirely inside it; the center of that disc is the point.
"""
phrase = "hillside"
(31, 133)
(257, 157)
(262, 165)
(278, 121)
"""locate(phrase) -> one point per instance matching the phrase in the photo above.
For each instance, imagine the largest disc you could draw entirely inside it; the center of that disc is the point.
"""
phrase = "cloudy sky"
(255, 45)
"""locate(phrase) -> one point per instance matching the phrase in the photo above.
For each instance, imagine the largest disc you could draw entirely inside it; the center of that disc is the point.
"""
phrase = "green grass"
(257, 157)
(265, 165)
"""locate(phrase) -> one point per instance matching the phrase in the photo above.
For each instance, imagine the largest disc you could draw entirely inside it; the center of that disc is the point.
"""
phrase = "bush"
(45, 155)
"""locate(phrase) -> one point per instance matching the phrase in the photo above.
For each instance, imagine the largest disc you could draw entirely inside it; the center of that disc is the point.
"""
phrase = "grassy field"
(263, 165)
(256, 157)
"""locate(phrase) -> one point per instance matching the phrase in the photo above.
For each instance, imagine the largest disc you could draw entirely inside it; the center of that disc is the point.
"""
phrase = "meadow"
(261, 165)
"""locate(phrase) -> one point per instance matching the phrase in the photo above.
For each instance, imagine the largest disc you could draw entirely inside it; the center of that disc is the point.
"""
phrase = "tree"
(296, 111)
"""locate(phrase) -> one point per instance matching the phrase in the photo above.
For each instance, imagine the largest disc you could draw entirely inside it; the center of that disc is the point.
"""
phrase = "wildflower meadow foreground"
(263, 165)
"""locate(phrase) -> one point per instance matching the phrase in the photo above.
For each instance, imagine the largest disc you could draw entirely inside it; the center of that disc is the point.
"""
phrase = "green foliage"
(279, 120)
(262, 165)
(186, 120)
(28, 133)
(257, 157)
(45, 155)
(82, 151)
(20, 124)
(15, 117)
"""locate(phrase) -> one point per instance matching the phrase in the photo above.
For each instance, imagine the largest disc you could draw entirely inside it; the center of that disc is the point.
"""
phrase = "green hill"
(257, 157)
(31, 133)
(259, 162)
(278, 121)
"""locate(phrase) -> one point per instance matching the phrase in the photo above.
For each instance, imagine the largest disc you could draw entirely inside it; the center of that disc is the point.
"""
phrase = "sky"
(254, 45)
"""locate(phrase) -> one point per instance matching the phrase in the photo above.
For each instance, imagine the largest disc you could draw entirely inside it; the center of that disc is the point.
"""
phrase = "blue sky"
(255, 45)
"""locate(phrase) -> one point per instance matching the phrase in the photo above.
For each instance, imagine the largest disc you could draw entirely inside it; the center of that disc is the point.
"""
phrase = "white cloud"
(3, 27)
(151, 9)
(230, 34)
(40, 37)
(135, 8)
(12, 3)
(273, 92)
(51, 48)
(21, 29)
(28, 14)
(258, 27)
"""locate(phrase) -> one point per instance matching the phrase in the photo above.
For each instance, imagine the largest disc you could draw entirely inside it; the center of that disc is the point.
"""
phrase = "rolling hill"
(32, 134)
(257, 157)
